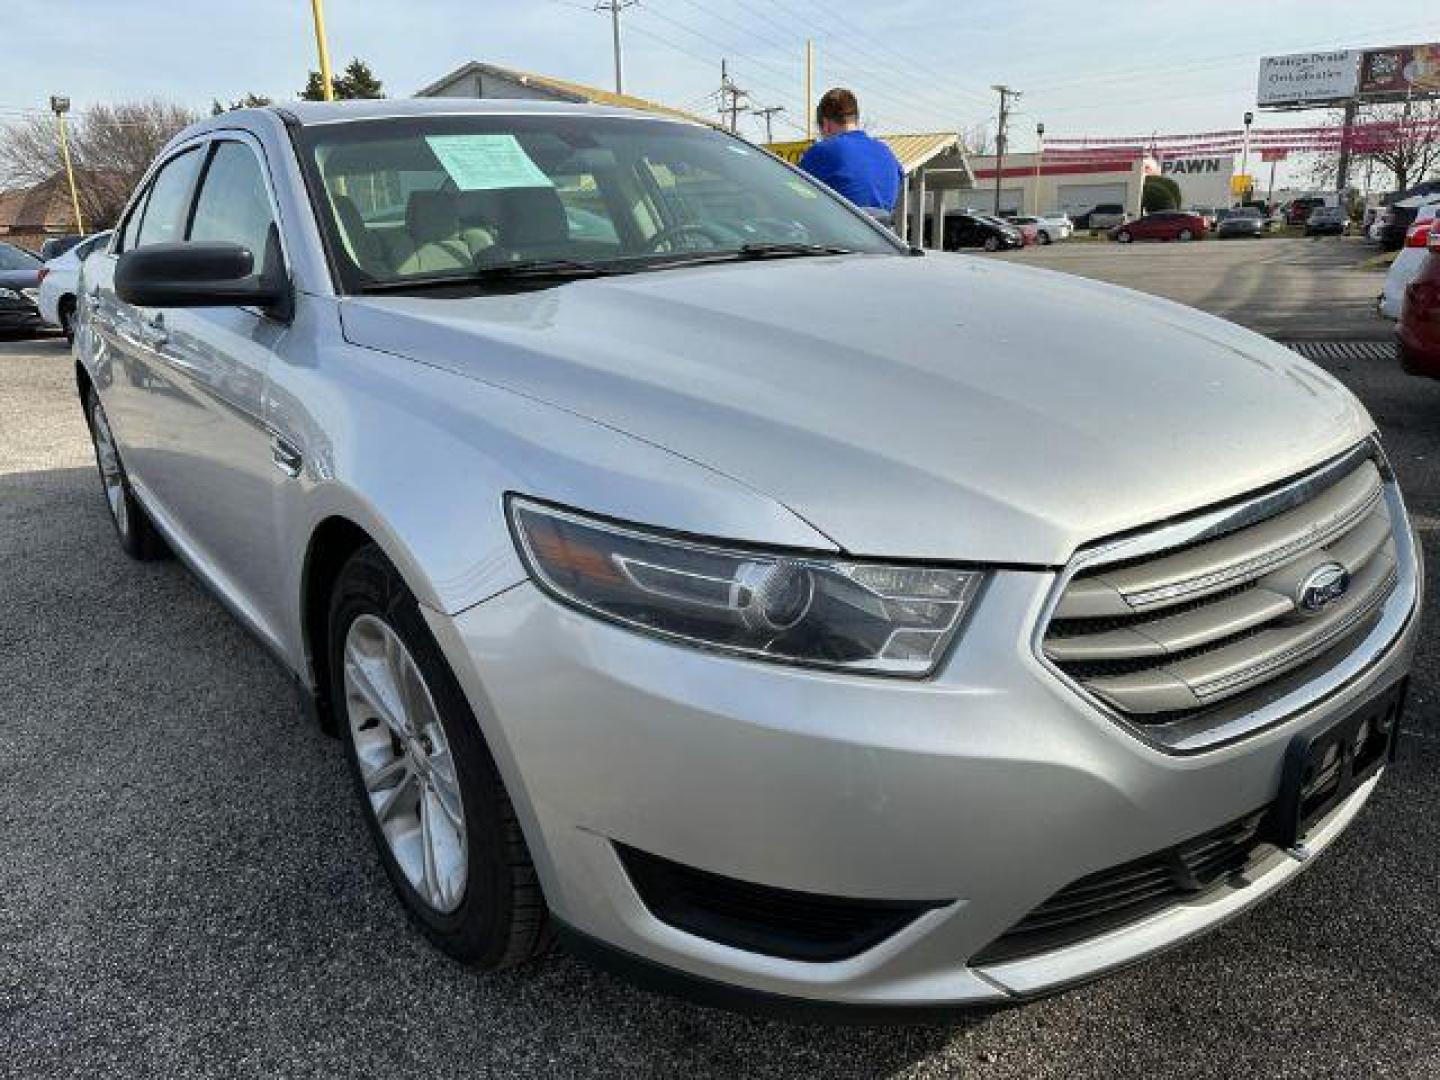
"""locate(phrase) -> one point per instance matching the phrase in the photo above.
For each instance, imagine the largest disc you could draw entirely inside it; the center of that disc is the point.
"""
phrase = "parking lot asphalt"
(1290, 288)
(187, 888)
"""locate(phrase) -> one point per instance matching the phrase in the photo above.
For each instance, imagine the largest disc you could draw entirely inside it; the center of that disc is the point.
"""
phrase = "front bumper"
(991, 786)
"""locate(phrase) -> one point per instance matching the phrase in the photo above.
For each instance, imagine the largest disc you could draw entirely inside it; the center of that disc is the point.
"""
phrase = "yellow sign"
(1241, 183)
(790, 151)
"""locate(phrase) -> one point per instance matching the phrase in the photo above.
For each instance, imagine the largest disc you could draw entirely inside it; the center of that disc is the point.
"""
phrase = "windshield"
(12, 258)
(443, 197)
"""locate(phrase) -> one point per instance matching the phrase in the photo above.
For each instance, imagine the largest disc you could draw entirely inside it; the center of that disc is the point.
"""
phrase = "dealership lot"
(1293, 289)
(189, 887)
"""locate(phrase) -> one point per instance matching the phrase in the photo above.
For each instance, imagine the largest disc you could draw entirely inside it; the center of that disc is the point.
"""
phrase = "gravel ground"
(188, 888)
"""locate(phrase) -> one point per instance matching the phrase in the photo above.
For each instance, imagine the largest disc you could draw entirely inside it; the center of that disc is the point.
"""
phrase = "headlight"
(790, 607)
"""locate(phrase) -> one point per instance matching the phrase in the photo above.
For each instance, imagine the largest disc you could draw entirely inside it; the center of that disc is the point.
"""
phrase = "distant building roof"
(43, 208)
(561, 88)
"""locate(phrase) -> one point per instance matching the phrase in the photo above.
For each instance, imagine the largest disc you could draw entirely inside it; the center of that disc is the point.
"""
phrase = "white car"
(1408, 261)
(58, 282)
(1048, 227)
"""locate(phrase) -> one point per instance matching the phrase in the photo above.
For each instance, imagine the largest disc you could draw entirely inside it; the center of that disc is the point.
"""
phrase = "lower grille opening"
(762, 919)
(1126, 893)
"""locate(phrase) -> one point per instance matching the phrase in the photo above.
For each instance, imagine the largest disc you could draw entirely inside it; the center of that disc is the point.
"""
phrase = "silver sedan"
(691, 570)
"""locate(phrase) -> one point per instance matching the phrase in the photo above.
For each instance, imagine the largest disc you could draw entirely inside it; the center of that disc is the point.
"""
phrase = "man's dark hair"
(839, 106)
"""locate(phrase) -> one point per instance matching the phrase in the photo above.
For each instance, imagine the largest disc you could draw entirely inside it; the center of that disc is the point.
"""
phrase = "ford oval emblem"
(1322, 587)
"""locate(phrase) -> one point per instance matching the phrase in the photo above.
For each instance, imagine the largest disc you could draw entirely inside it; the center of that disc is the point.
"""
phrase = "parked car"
(19, 276)
(1161, 225)
(784, 619)
(59, 282)
(1208, 214)
(1046, 229)
(1104, 216)
(1408, 262)
(1243, 221)
(1393, 224)
(1418, 331)
(1327, 221)
(1299, 210)
(58, 245)
(970, 229)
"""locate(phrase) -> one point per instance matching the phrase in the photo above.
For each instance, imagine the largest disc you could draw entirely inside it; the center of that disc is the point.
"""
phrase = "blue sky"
(1098, 67)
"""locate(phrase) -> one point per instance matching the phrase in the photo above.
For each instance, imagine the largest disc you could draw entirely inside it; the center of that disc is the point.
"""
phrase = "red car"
(1161, 225)
(1419, 327)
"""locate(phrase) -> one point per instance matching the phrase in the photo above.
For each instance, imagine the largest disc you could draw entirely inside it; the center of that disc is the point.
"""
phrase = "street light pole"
(327, 88)
(60, 106)
(1245, 152)
(1039, 157)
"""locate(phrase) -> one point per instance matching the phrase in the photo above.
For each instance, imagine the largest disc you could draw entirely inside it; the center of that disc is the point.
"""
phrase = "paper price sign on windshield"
(486, 162)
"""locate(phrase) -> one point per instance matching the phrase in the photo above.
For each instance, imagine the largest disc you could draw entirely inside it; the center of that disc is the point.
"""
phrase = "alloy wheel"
(405, 763)
(111, 475)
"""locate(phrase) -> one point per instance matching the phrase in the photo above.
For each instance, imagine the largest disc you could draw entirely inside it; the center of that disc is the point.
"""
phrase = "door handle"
(152, 330)
(286, 456)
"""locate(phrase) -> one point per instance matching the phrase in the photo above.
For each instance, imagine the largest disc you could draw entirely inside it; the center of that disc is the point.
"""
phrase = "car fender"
(431, 491)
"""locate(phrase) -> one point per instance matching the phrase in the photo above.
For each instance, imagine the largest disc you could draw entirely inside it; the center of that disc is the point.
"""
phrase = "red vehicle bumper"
(1419, 329)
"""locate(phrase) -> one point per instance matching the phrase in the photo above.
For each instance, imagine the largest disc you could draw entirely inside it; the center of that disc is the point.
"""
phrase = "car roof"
(308, 113)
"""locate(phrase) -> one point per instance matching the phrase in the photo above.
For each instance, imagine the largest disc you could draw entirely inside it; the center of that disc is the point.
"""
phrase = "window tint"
(169, 197)
(233, 203)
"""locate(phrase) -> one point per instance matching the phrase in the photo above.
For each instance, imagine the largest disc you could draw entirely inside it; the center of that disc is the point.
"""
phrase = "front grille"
(761, 918)
(1123, 894)
(1218, 621)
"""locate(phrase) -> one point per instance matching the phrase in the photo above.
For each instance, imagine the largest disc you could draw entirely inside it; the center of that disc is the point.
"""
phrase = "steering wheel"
(690, 228)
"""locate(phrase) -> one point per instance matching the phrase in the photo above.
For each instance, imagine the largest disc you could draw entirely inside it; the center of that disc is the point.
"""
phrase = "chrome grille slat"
(1220, 563)
(1172, 633)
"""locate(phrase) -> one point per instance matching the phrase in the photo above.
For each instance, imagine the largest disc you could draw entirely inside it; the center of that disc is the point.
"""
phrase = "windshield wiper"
(526, 269)
(770, 250)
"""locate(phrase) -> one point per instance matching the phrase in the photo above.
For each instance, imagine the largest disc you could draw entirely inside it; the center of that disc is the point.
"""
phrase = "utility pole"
(327, 88)
(1000, 135)
(60, 106)
(730, 98)
(614, 7)
(767, 113)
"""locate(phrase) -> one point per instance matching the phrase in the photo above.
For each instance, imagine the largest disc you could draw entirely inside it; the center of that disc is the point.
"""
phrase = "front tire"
(991, 244)
(433, 799)
(1044, 238)
(1123, 236)
(137, 534)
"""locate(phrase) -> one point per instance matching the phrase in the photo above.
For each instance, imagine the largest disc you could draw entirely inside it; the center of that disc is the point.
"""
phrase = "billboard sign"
(1396, 72)
(1308, 78)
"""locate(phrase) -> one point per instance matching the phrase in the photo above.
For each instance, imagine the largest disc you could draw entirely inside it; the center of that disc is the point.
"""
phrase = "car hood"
(945, 407)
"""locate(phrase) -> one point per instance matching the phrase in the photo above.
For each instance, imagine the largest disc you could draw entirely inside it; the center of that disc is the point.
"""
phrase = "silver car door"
(141, 403)
(220, 473)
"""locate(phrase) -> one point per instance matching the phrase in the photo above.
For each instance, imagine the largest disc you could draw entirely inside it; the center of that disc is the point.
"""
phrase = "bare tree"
(1407, 146)
(111, 146)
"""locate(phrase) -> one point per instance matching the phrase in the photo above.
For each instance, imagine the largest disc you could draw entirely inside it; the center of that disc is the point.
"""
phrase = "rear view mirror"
(196, 274)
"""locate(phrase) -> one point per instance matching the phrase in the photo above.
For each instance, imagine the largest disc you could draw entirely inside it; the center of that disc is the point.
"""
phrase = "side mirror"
(197, 274)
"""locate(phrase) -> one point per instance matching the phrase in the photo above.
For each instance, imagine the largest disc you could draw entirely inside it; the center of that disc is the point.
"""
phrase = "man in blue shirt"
(847, 160)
